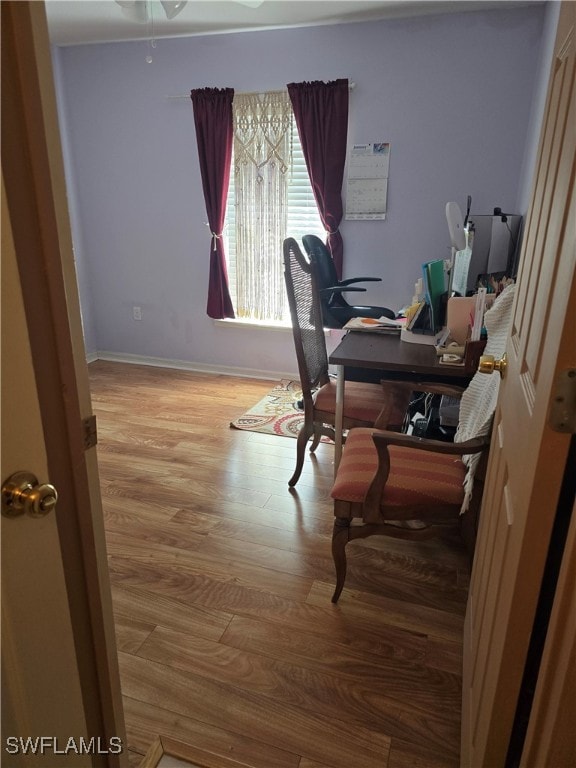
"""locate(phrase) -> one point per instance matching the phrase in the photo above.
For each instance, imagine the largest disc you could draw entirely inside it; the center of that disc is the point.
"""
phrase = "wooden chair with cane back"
(365, 405)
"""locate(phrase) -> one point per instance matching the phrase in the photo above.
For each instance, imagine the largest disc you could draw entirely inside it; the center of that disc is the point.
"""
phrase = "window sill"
(264, 325)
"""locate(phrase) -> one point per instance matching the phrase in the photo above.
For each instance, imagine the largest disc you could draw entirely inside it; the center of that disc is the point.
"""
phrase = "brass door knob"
(488, 364)
(22, 493)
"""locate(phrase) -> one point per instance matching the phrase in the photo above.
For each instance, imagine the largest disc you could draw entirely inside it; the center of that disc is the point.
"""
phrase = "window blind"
(303, 218)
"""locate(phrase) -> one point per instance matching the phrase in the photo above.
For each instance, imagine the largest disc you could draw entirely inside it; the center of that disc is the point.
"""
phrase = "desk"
(398, 359)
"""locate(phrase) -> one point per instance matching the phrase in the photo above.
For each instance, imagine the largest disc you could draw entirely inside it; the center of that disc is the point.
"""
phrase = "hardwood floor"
(221, 580)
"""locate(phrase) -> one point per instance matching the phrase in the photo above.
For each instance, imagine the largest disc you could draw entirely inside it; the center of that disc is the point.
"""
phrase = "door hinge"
(562, 417)
(90, 433)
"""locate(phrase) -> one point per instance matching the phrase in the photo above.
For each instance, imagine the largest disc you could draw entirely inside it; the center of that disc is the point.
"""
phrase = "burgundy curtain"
(214, 134)
(321, 112)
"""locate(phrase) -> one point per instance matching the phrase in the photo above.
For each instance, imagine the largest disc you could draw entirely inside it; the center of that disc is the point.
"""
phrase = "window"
(269, 198)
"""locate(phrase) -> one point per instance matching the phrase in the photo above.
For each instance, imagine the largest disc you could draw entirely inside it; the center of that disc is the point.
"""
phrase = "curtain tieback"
(214, 238)
(332, 233)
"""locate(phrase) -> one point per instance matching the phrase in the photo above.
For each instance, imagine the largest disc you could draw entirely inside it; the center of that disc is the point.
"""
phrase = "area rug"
(275, 414)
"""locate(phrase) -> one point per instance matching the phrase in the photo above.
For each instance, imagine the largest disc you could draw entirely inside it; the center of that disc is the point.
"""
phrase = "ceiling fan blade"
(172, 7)
(135, 10)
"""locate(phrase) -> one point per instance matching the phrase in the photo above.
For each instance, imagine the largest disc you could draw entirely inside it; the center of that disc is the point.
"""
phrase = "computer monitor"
(494, 246)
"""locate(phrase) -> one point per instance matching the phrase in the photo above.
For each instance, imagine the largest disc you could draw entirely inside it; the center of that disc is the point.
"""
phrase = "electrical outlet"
(137, 313)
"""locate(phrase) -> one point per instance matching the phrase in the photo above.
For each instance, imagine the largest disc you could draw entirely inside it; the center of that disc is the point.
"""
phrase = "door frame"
(33, 172)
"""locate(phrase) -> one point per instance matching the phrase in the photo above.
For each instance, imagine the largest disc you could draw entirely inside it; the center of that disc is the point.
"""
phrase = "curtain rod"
(248, 93)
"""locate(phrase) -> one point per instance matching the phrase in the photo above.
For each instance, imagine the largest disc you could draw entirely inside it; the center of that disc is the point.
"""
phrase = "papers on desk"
(460, 270)
(478, 315)
(375, 325)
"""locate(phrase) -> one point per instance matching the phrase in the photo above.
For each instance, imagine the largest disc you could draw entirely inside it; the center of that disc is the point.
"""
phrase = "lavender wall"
(452, 93)
(550, 24)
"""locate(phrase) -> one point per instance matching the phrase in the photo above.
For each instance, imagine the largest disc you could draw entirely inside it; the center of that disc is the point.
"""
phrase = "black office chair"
(336, 311)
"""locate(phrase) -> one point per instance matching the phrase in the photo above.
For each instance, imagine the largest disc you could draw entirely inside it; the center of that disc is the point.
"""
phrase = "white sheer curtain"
(262, 161)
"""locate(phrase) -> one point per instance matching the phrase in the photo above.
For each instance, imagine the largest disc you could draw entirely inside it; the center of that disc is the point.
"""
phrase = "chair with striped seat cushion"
(365, 405)
(416, 477)
(410, 487)
(399, 485)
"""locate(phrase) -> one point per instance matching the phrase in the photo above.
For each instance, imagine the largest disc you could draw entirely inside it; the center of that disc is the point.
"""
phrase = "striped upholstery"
(416, 477)
(361, 402)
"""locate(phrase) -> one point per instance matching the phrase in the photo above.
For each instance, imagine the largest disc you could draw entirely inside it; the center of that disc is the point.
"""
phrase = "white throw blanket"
(478, 402)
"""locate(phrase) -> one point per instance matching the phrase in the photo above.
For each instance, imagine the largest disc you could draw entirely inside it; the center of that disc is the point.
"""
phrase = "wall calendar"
(367, 186)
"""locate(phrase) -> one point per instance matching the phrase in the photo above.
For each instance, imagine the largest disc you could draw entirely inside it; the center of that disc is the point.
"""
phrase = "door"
(550, 739)
(528, 458)
(59, 669)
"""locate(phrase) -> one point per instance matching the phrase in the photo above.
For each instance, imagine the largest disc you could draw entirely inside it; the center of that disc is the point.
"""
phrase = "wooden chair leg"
(303, 437)
(340, 537)
(316, 438)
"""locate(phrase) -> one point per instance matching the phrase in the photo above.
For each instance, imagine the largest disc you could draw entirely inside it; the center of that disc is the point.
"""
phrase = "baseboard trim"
(185, 365)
